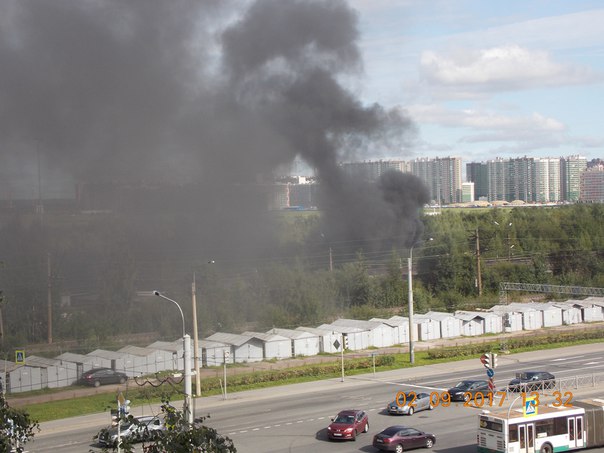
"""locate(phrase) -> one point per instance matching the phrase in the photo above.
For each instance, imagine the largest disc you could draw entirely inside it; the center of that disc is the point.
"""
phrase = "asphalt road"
(293, 418)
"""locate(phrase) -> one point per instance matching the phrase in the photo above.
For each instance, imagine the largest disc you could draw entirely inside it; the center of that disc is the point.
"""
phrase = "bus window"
(544, 427)
(522, 438)
(513, 433)
(531, 436)
(571, 428)
(579, 428)
(560, 426)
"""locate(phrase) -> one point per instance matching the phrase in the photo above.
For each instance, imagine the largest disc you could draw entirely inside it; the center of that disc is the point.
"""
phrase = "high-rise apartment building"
(592, 185)
(372, 170)
(496, 173)
(571, 168)
(519, 179)
(547, 180)
(477, 172)
(442, 176)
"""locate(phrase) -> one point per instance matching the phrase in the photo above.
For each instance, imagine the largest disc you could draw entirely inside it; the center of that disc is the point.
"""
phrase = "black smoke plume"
(202, 93)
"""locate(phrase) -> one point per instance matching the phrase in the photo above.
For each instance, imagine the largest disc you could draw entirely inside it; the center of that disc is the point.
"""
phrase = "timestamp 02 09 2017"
(480, 399)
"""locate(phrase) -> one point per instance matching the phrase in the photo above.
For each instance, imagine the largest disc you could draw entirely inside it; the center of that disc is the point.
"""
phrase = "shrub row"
(514, 343)
(293, 373)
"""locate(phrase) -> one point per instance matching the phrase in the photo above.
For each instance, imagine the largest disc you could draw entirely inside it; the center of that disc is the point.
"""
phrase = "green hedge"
(515, 343)
(293, 373)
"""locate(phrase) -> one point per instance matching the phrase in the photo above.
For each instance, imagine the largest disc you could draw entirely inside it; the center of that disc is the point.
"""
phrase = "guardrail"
(560, 384)
(586, 380)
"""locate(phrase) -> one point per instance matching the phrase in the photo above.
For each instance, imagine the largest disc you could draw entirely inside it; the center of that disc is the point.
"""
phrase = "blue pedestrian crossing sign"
(20, 356)
(530, 406)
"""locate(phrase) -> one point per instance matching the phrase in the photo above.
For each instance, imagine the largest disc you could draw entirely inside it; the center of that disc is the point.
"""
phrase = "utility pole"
(478, 273)
(195, 340)
(330, 260)
(49, 295)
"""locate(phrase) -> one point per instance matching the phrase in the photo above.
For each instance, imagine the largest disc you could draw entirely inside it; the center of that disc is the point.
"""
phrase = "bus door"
(526, 438)
(575, 432)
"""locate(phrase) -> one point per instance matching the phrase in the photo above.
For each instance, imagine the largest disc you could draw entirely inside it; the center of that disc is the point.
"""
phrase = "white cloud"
(483, 120)
(500, 68)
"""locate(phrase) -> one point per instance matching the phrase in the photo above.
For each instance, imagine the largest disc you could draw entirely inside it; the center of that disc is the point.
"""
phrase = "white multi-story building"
(547, 180)
(467, 192)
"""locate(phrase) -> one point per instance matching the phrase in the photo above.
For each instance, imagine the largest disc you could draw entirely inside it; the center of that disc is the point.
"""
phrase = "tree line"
(95, 272)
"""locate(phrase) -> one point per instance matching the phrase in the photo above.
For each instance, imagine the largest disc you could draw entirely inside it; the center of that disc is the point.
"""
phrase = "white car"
(137, 430)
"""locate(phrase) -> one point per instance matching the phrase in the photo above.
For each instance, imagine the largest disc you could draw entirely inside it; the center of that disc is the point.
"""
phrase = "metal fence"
(582, 381)
(560, 384)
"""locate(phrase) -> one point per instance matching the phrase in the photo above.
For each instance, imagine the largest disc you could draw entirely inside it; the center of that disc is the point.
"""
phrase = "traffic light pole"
(489, 360)
(119, 424)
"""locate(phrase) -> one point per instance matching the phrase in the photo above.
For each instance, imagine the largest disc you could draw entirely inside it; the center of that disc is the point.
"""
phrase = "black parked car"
(467, 390)
(100, 376)
(530, 381)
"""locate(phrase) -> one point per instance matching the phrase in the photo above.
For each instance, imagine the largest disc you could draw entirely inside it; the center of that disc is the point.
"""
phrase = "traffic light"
(345, 341)
(486, 360)
(493, 360)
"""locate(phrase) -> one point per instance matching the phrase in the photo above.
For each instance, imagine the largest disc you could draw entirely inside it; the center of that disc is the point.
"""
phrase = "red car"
(348, 424)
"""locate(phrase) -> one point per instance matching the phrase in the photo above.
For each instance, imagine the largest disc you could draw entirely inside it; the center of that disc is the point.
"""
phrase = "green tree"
(17, 427)
(180, 437)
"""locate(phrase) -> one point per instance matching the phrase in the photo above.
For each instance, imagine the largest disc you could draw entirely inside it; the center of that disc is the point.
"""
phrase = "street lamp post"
(187, 361)
(410, 300)
(195, 340)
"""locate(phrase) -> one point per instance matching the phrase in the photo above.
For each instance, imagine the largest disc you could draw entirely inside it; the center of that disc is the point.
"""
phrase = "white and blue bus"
(551, 430)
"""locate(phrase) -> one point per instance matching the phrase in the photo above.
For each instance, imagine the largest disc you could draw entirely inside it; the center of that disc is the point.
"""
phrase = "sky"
(485, 79)
(190, 90)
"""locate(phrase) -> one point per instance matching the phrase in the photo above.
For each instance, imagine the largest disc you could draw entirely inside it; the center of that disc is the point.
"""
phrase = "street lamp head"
(156, 293)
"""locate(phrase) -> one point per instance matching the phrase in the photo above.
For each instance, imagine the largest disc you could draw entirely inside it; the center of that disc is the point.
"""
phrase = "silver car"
(410, 402)
(139, 430)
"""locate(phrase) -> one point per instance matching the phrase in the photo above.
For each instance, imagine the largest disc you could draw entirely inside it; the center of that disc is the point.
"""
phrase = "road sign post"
(344, 341)
(227, 354)
(373, 354)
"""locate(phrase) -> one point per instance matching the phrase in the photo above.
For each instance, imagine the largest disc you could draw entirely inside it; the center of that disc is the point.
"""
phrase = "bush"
(514, 343)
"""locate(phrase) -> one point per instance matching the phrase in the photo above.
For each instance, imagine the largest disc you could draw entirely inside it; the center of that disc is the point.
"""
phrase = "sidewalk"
(77, 392)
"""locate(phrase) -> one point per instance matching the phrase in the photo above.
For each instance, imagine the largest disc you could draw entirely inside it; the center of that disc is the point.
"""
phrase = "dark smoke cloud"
(191, 91)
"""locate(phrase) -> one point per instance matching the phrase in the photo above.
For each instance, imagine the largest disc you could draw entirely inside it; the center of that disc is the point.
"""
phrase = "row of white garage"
(65, 369)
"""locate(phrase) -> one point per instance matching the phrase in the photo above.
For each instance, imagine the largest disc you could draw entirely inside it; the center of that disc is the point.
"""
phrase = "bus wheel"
(546, 448)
